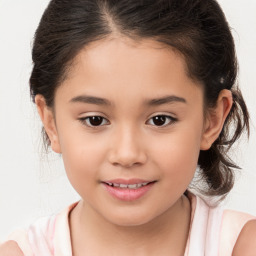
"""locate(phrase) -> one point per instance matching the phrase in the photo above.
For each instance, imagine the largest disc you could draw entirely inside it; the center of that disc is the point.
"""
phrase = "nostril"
(128, 162)
(126, 165)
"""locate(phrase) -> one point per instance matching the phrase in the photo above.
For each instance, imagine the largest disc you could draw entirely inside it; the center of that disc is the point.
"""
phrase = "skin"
(128, 144)
(131, 77)
(246, 242)
(10, 248)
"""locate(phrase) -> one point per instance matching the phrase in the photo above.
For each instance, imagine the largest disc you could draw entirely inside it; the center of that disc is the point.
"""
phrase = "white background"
(33, 184)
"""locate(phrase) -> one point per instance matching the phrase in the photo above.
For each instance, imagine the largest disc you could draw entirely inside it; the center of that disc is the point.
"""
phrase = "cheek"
(82, 157)
(178, 154)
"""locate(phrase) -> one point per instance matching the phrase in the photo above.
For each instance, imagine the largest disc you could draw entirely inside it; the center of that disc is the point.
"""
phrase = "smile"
(128, 190)
(129, 186)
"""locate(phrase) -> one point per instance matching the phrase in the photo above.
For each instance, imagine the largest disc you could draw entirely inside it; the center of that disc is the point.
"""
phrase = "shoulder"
(44, 236)
(19, 239)
(246, 242)
(234, 223)
(27, 240)
(10, 248)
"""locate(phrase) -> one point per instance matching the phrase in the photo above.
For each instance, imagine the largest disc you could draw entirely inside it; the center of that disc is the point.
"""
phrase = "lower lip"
(126, 194)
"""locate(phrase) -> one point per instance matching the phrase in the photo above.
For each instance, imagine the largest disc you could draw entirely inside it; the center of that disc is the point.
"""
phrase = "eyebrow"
(165, 100)
(91, 100)
(152, 102)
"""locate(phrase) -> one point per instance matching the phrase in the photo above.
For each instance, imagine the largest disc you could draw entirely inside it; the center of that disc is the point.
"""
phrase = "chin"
(130, 219)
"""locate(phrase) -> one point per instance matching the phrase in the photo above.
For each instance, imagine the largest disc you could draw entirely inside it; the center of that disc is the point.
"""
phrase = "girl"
(135, 95)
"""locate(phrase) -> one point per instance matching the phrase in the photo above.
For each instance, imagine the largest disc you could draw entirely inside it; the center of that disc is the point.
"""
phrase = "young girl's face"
(128, 115)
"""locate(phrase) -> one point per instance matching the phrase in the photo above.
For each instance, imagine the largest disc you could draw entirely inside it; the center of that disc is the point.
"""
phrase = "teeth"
(130, 186)
(133, 186)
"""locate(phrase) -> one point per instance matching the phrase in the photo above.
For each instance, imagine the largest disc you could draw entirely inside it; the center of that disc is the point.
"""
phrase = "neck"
(165, 235)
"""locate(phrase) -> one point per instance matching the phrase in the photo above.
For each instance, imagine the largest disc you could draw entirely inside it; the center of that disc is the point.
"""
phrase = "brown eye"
(93, 121)
(161, 120)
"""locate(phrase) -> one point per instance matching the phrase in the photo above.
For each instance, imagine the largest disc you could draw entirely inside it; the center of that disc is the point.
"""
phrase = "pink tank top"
(213, 232)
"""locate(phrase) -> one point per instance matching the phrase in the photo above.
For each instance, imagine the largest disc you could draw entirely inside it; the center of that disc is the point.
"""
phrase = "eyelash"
(87, 120)
(164, 118)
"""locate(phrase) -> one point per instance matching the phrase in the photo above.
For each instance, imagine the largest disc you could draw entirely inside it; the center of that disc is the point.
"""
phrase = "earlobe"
(47, 117)
(216, 118)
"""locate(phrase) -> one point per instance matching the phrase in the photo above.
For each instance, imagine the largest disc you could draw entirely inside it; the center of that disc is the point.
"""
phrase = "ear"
(47, 116)
(216, 118)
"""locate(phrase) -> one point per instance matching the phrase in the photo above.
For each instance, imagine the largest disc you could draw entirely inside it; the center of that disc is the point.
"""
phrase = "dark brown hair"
(195, 28)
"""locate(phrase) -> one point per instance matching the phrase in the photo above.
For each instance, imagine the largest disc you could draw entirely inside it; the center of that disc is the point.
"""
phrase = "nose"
(127, 149)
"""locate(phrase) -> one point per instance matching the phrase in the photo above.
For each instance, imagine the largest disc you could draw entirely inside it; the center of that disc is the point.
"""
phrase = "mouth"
(129, 186)
(128, 190)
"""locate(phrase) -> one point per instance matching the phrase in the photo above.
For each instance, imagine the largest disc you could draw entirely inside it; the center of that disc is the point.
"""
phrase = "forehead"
(127, 67)
(126, 53)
